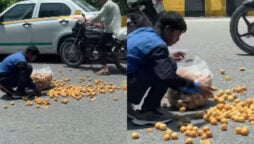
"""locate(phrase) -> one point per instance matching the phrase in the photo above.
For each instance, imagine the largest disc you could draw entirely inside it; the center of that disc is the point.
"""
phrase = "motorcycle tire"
(91, 54)
(241, 10)
(121, 59)
(121, 67)
(71, 56)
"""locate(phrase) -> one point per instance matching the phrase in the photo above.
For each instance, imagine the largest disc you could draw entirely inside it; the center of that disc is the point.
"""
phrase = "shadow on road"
(9, 98)
(244, 55)
(95, 66)
(55, 59)
(49, 59)
(42, 59)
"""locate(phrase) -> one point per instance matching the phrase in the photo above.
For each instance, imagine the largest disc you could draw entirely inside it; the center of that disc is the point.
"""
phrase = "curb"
(194, 8)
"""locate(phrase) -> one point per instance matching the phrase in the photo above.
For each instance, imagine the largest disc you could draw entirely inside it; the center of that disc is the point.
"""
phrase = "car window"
(54, 9)
(19, 12)
(85, 6)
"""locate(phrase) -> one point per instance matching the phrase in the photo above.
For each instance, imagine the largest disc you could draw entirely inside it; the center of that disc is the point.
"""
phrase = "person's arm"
(165, 69)
(24, 77)
(103, 12)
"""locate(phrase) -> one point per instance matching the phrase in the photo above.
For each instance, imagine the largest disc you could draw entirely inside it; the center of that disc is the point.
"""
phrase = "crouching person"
(151, 72)
(15, 72)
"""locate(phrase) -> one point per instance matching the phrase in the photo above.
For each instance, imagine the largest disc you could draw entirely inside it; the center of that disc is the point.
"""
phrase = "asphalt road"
(78, 122)
(209, 38)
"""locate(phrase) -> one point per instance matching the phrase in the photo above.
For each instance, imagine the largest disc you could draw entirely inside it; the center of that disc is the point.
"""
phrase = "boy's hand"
(98, 25)
(38, 93)
(206, 90)
(178, 56)
(37, 90)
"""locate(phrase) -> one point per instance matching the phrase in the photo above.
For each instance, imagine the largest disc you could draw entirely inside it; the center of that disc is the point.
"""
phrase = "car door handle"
(64, 21)
(27, 24)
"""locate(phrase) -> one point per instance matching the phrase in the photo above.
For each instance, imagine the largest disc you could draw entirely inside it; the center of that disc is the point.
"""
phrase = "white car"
(44, 23)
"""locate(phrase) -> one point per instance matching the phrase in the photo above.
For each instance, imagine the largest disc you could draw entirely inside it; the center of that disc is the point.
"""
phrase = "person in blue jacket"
(15, 72)
(151, 71)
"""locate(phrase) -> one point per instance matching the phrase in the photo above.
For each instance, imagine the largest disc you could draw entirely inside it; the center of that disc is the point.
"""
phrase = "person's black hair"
(33, 50)
(172, 19)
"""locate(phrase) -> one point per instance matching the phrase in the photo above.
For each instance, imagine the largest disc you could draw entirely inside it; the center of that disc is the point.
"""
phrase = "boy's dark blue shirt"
(146, 48)
(9, 64)
(140, 43)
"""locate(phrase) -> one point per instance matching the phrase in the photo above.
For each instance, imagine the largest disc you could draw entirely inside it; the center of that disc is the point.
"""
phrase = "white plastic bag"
(196, 65)
(121, 33)
(42, 77)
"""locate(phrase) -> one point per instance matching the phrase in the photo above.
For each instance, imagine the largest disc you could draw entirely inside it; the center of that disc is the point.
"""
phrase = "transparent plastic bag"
(196, 65)
(121, 33)
(42, 77)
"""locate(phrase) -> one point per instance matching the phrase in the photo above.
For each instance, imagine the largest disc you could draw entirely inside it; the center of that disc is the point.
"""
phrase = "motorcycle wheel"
(92, 54)
(240, 20)
(120, 54)
(72, 55)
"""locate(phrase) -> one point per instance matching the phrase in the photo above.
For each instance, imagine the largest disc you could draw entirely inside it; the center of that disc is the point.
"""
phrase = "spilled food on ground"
(229, 107)
(64, 90)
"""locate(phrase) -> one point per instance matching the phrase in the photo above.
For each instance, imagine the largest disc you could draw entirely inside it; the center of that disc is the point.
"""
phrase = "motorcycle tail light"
(158, 5)
(157, 1)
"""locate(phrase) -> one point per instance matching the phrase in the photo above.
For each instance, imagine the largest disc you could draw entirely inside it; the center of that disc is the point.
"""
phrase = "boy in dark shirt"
(15, 71)
(151, 71)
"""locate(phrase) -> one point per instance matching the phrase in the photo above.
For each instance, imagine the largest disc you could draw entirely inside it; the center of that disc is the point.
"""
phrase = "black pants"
(104, 46)
(142, 82)
(10, 81)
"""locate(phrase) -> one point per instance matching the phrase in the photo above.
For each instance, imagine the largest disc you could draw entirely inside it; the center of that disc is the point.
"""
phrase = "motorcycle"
(242, 26)
(83, 46)
(142, 13)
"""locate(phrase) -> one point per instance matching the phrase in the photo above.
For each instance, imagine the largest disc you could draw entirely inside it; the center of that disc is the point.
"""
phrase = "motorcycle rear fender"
(120, 34)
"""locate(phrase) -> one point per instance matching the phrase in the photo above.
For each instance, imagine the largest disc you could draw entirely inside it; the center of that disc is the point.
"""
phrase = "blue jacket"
(145, 45)
(9, 64)
(139, 44)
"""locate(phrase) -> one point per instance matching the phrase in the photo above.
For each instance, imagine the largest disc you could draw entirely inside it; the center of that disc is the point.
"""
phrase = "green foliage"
(6, 3)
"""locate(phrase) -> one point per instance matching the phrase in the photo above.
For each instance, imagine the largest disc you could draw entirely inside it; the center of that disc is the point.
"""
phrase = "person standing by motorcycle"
(110, 16)
(151, 71)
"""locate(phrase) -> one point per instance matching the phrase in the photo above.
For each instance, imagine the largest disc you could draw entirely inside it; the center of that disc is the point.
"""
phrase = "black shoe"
(26, 93)
(149, 117)
(8, 91)
(18, 95)
(29, 91)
